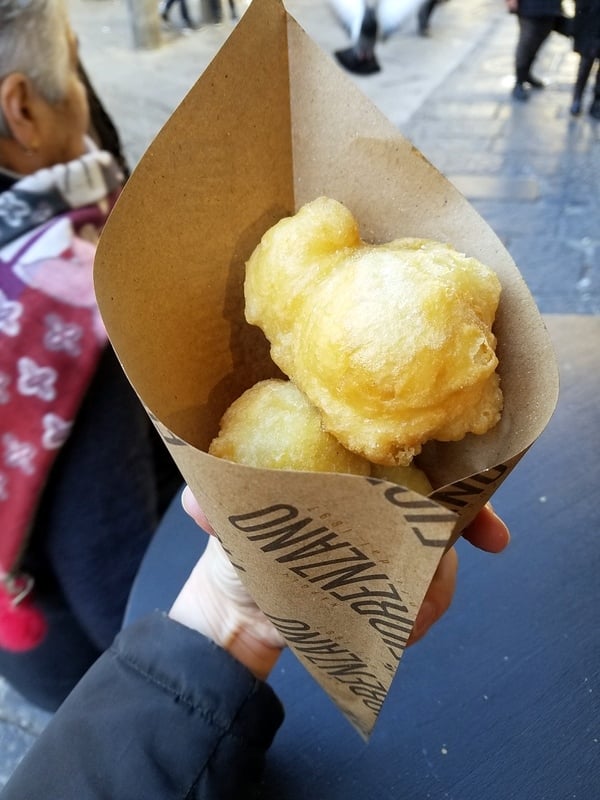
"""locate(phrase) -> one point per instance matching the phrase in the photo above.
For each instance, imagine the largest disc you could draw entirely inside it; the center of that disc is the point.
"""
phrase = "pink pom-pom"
(22, 625)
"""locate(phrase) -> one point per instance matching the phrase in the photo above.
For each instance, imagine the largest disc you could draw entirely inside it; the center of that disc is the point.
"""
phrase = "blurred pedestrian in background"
(366, 22)
(212, 10)
(426, 9)
(586, 42)
(84, 478)
(360, 58)
(164, 10)
(537, 19)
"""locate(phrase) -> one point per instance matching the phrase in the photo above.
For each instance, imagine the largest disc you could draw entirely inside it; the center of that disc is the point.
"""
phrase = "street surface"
(143, 87)
(530, 169)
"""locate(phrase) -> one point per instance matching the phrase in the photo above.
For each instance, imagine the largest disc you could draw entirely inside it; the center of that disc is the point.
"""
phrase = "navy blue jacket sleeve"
(163, 714)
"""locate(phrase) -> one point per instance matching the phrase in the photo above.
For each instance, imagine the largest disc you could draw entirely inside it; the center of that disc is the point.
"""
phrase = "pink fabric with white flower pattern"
(51, 335)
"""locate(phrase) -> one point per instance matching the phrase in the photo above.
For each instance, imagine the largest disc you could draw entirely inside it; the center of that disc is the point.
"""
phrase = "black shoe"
(535, 83)
(595, 109)
(575, 107)
(358, 62)
(361, 58)
(520, 93)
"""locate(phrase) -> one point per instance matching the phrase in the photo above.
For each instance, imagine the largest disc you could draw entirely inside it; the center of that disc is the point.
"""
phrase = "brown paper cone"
(340, 563)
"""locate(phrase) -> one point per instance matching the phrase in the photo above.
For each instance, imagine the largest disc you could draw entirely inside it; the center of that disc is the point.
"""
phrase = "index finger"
(487, 531)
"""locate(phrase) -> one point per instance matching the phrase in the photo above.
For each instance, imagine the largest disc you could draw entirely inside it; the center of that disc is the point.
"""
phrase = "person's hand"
(214, 602)
(487, 532)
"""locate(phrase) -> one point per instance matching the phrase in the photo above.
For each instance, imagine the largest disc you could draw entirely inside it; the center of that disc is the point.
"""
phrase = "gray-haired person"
(83, 477)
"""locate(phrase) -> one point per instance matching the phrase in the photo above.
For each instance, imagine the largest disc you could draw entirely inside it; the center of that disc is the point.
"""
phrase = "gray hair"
(32, 41)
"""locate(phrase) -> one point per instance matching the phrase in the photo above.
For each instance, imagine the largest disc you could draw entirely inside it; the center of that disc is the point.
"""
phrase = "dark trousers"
(533, 32)
(185, 14)
(425, 12)
(583, 73)
(212, 11)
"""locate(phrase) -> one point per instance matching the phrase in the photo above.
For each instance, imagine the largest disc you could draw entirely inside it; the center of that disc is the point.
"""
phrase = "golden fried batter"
(393, 343)
(273, 425)
(411, 477)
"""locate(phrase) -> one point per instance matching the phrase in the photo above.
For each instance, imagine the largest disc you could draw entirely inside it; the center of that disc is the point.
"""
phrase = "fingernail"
(188, 501)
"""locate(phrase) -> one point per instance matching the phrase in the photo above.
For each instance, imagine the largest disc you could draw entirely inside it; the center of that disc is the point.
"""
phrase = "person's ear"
(18, 104)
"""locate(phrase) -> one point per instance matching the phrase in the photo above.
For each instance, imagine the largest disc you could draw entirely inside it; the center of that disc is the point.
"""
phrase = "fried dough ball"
(273, 425)
(411, 477)
(393, 343)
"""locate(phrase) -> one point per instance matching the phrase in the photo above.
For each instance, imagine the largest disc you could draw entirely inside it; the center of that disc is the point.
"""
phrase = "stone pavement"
(531, 170)
(142, 88)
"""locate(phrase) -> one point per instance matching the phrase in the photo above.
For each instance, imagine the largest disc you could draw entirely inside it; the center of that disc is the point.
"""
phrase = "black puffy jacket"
(164, 714)
(586, 28)
(540, 8)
